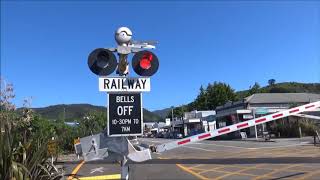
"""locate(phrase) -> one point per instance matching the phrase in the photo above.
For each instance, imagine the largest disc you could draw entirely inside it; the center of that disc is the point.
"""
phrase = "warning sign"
(124, 114)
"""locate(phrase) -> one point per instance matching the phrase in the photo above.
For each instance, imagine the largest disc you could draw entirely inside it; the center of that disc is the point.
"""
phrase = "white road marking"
(99, 169)
(147, 140)
(182, 146)
(290, 145)
(228, 146)
(254, 148)
(156, 141)
(200, 149)
(223, 145)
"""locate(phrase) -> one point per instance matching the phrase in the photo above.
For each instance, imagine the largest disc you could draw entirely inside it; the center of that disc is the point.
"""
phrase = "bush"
(308, 128)
(291, 128)
(23, 150)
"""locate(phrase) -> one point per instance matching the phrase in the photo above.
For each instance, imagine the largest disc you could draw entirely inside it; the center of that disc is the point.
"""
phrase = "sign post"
(125, 117)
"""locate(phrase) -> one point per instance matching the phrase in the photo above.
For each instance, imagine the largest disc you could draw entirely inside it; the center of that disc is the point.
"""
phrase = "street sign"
(125, 114)
(123, 84)
(262, 111)
(168, 121)
(247, 116)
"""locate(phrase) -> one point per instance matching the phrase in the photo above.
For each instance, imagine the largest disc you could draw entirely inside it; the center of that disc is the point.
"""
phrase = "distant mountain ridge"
(71, 112)
(162, 112)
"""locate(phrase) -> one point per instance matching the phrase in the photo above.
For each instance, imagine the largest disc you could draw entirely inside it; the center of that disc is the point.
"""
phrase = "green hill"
(285, 87)
(72, 112)
(163, 112)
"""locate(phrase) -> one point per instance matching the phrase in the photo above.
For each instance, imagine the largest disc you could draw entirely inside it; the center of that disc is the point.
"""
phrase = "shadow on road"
(291, 175)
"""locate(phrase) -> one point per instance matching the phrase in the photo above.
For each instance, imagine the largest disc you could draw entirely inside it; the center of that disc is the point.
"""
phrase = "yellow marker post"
(77, 147)
(52, 148)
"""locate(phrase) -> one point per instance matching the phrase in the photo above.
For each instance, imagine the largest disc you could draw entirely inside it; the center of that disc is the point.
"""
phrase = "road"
(282, 158)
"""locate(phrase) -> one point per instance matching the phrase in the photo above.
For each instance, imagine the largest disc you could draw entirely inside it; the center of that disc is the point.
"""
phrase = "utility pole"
(255, 126)
(64, 114)
(172, 119)
(172, 113)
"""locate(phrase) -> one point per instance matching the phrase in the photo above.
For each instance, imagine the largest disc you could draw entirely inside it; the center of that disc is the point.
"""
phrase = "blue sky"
(45, 45)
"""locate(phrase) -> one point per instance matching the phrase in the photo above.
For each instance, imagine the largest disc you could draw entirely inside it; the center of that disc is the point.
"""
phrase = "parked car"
(266, 135)
(179, 136)
(166, 135)
(149, 135)
(175, 135)
(160, 135)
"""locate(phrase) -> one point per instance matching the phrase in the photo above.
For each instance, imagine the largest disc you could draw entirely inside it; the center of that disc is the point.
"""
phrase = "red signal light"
(145, 62)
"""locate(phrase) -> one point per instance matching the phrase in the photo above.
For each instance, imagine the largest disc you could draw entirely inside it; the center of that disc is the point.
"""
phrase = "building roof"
(282, 98)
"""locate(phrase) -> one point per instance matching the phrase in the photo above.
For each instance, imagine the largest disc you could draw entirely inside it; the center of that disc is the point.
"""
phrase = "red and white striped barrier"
(237, 127)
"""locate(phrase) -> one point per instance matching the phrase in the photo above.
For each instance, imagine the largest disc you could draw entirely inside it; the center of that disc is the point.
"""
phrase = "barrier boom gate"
(236, 127)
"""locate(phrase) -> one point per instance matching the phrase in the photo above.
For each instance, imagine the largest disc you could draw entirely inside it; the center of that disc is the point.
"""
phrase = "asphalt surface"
(278, 159)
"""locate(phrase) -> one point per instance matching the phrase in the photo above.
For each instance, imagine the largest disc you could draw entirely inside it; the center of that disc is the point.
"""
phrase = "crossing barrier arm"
(235, 127)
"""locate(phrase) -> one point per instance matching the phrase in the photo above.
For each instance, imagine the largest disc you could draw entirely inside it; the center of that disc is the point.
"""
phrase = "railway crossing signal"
(124, 95)
(103, 62)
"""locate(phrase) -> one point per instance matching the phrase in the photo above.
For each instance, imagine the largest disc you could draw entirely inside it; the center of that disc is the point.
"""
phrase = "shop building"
(258, 105)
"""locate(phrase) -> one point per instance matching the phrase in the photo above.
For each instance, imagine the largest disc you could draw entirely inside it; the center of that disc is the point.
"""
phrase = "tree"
(219, 93)
(254, 89)
(201, 102)
(279, 90)
(92, 123)
(177, 112)
(271, 82)
(191, 106)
